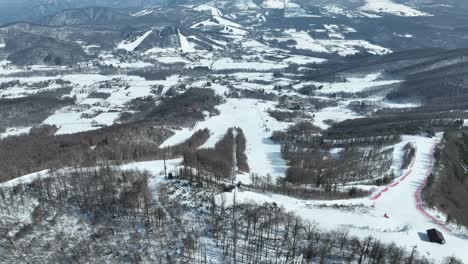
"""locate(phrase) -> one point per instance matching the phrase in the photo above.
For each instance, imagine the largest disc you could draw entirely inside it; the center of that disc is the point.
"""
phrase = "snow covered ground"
(333, 114)
(15, 131)
(228, 26)
(7, 68)
(185, 44)
(214, 11)
(363, 217)
(155, 167)
(230, 64)
(338, 45)
(26, 179)
(341, 112)
(304, 60)
(111, 60)
(73, 122)
(264, 157)
(132, 45)
(390, 7)
(255, 67)
(88, 113)
(305, 41)
(278, 4)
(406, 225)
(143, 13)
(353, 84)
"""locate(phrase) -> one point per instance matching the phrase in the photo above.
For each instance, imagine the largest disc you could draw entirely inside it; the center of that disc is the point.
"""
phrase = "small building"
(435, 236)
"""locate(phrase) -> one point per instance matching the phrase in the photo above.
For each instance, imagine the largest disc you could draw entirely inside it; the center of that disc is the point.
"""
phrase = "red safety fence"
(402, 178)
(419, 202)
(417, 195)
(419, 206)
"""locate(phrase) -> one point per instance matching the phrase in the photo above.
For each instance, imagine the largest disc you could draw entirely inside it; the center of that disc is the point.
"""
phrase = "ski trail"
(398, 215)
(402, 198)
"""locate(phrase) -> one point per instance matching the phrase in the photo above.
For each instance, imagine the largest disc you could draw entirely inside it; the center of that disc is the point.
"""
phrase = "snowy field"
(228, 26)
(87, 113)
(390, 7)
(278, 4)
(230, 64)
(333, 114)
(375, 9)
(352, 84)
(338, 44)
(156, 167)
(213, 10)
(15, 131)
(342, 111)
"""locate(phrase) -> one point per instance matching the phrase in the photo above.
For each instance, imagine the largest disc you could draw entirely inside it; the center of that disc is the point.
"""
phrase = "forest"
(447, 187)
(116, 218)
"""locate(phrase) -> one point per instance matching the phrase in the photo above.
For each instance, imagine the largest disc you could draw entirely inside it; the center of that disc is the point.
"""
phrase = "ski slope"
(407, 222)
(185, 44)
(131, 46)
(264, 157)
(229, 27)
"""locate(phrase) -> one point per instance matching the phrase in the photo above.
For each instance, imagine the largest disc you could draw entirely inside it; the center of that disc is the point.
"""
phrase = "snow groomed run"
(394, 213)
(417, 194)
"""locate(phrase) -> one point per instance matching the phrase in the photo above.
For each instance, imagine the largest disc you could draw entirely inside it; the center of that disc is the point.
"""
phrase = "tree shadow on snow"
(279, 165)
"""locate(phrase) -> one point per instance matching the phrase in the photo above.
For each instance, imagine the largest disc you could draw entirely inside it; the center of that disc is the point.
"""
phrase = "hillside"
(448, 184)
(233, 131)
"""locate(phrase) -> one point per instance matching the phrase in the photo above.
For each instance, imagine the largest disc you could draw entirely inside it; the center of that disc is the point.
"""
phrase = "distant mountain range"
(29, 10)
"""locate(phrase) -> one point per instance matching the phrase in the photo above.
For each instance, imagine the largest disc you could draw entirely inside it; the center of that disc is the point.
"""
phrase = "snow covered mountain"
(33, 9)
(233, 131)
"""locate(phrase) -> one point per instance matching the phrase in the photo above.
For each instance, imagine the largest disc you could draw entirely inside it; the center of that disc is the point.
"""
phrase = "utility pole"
(165, 167)
(234, 156)
(234, 242)
(233, 179)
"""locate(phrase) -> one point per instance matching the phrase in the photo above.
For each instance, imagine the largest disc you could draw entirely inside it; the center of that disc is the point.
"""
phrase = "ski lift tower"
(234, 156)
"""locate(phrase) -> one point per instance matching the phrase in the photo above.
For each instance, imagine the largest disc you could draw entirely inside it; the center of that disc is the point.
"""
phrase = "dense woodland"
(269, 234)
(183, 109)
(92, 215)
(446, 81)
(328, 163)
(28, 111)
(447, 187)
(118, 216)
(136, 141)
(216, 164)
